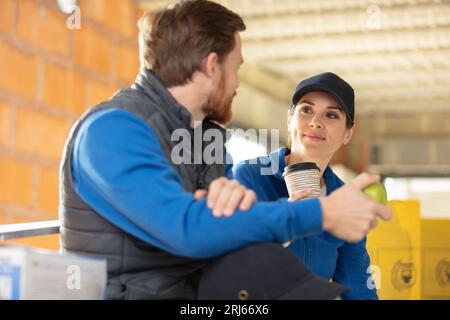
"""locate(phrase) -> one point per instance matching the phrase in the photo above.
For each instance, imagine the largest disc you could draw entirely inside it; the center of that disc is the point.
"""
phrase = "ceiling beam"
(257, 8)
(396, 62)
(384, 42)
(348, 22)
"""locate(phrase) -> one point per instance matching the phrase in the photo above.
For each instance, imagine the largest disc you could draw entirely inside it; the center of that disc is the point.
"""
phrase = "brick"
(97, 92)
(128, 62)
(63, 88)
(131, 18)
(93, 49)
(30, 216)
(4, 123)
(40, 134)
(42, 26)
(19, 72)
(84, 6)
(48, 197)
(6, 15)
(16, 182)
(94, 9)
(121, 17)
(4, 218)
(20, 218)
(50, 242)
(117, 15)
(139, 13)
(55, 86)
(76, 95)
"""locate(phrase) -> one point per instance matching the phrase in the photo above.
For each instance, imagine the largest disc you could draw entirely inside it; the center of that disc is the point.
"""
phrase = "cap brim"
(317, 87)
(315, 289)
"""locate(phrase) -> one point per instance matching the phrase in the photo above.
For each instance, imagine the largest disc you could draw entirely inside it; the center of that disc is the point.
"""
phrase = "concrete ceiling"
(395, 53)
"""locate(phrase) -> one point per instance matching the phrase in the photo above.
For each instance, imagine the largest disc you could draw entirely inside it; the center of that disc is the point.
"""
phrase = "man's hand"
(224, 196)
(349, 214)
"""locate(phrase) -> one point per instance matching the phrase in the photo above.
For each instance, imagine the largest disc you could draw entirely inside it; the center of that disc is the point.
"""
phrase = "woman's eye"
(306, 109)
(333, 116)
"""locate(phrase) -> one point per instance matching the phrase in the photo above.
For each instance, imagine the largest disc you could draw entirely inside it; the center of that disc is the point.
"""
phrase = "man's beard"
(218, 106)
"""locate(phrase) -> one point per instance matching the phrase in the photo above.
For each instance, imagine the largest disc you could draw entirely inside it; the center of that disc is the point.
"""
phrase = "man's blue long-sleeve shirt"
(120, 170)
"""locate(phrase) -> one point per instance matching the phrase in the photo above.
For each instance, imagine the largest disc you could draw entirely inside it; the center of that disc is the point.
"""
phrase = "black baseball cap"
(331, 83)
(266, 271)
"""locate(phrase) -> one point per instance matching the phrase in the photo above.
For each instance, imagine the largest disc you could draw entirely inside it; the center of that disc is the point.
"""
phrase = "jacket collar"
(278, 156)
(176, 114)
(155, 90)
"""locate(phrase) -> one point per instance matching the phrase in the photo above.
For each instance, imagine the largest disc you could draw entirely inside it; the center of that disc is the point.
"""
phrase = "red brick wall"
(49, 75)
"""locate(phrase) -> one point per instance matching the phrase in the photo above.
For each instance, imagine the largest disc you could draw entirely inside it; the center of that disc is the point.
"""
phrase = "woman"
(320, 121)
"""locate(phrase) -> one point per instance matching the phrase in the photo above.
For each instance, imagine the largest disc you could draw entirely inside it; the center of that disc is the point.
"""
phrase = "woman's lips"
(314, 137)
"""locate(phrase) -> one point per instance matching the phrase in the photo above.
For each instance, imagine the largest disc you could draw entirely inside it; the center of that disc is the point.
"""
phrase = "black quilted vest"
(136, 270)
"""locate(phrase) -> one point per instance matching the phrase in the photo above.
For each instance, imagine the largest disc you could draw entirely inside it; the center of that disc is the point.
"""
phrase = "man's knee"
(263, 271)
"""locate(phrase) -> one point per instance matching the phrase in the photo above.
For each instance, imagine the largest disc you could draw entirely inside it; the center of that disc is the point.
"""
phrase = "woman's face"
(317, 127)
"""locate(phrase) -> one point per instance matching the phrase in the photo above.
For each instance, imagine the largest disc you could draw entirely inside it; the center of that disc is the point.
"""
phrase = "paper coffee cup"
(302, 176)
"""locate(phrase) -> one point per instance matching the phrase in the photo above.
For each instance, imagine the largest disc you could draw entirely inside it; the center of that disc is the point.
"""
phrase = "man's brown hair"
(174, 41)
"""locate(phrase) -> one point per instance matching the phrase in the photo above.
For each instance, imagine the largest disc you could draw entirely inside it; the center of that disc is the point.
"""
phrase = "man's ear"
(210, 64)
(349, 134)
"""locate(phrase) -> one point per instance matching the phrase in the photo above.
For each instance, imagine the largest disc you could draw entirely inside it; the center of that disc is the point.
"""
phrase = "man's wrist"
(308, 217)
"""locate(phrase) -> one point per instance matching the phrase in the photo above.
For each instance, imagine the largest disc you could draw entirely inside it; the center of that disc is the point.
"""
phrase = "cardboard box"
(30, 274)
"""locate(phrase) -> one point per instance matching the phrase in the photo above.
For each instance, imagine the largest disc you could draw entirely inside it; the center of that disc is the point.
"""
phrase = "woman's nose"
(315, 123)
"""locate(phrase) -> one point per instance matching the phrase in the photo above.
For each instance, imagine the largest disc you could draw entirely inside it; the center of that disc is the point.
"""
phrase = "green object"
(377, 192)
